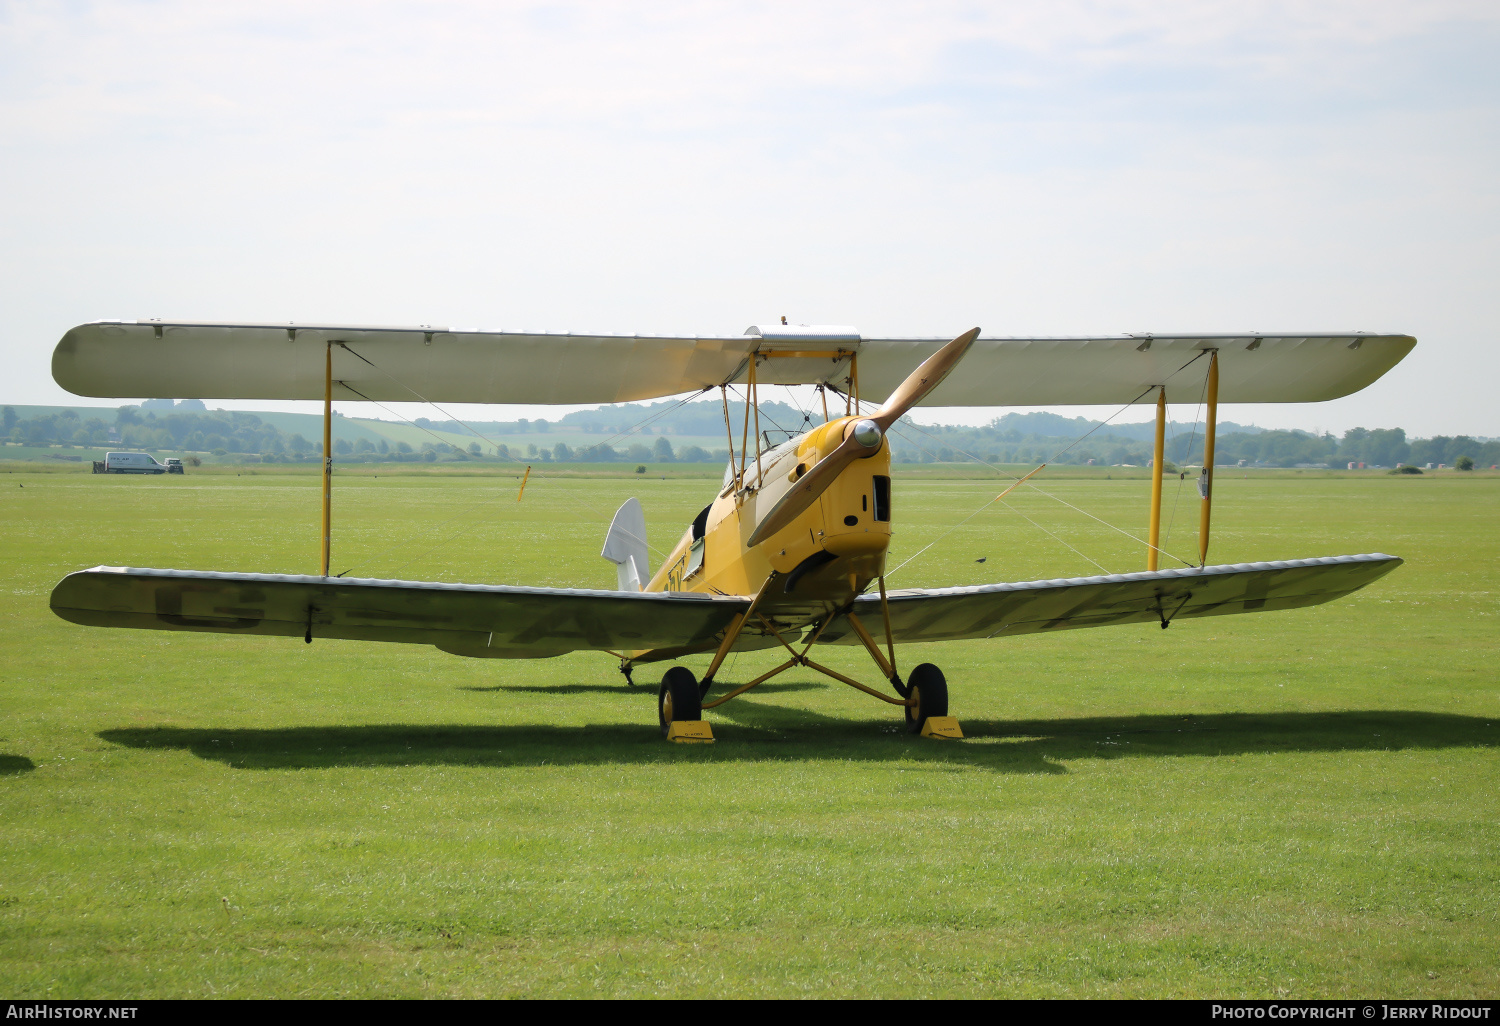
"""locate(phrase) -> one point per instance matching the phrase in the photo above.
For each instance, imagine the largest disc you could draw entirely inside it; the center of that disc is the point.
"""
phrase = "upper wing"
(269, 361)
(1112, 371)
(282, 361)
(466, 619)
(1004, 610)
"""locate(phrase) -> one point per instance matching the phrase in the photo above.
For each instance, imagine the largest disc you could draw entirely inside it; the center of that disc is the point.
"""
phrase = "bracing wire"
(639, 425)
(956, 526)
(1025, 479)
(1182, 478)
(462, 518)
(891, 573)
(412, 423)
(1000, 497)
(1054, 537)
(792, 395)
(807, 415)
(1064, 450)
(504, 453)
(464, 515)
(484, 499)
(642, 425)
(1106, 523)
(477, 433)
(777, 426)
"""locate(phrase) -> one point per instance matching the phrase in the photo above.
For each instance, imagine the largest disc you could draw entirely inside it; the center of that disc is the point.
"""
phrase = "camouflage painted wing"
(466, 619)
(1034, 607)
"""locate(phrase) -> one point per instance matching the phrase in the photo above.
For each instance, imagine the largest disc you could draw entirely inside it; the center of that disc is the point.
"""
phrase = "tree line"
(245, 436)
(1382, 447)
(228, 433)
(218, 431)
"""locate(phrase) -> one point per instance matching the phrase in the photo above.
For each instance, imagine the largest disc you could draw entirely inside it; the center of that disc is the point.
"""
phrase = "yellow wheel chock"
(690, 732)
(942, 726)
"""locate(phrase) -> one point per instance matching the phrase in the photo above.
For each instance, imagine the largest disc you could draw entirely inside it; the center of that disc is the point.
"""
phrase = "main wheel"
(678, 698)
(929, 696)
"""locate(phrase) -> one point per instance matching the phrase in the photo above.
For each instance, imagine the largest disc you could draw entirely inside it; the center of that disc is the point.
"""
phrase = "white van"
(132, 463)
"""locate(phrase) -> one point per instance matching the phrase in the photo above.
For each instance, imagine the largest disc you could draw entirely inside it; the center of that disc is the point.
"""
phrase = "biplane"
(791, 551)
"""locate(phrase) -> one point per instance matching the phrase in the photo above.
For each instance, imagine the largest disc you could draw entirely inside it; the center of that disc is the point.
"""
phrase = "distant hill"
(694, 423)
(703, 421)
(670, 431)
(1054, 426)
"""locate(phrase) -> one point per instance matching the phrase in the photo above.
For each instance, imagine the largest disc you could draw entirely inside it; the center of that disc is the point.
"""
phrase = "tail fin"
(625, 546)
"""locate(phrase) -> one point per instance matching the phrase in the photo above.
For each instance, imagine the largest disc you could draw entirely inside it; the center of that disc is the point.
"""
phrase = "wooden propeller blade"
(924, 379)
(823, 473)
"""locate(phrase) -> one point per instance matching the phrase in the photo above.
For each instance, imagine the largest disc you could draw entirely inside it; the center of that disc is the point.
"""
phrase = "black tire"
(929, 688)
(678, 699)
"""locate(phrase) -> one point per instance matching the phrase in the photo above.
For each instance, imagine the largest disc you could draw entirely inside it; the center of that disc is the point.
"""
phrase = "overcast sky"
(1048, 168)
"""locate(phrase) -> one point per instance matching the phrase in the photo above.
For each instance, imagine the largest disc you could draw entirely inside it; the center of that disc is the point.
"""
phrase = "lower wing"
(525, 623)
(1005, 610)
(465, 619)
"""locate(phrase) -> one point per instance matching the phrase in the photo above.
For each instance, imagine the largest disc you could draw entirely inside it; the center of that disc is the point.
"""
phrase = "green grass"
(1300, 804)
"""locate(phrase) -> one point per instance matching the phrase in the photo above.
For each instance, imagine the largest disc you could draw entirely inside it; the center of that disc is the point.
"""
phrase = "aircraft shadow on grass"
(759, 731)
(640, 688)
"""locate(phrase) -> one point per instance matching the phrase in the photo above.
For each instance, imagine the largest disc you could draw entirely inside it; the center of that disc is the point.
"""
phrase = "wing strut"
(1157, 455)
(327, 453)
(890, 640)
(800, 659)
(1206, 481)
(732, 635)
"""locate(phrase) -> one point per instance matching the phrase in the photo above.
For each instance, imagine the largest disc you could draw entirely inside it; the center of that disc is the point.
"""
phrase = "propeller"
(862, 437)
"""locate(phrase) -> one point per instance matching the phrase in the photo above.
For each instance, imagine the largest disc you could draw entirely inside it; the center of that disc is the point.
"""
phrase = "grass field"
(1289, 804)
